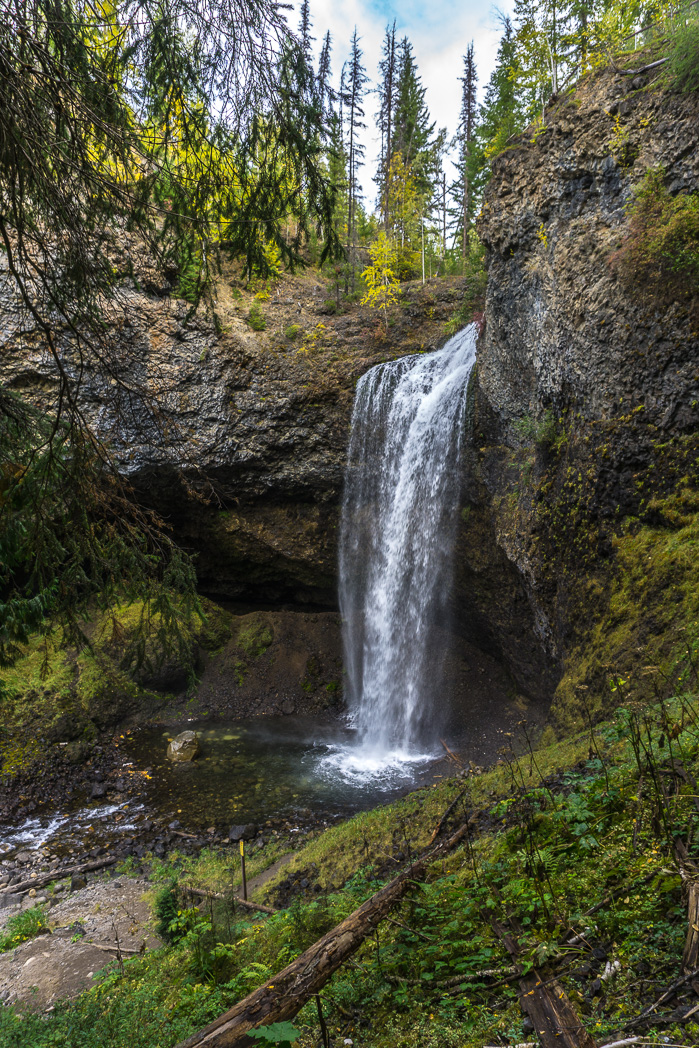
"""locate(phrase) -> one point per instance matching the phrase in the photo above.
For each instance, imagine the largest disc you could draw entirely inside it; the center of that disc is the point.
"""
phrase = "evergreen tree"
(465, 139)
(387, 99)
(325, 91)
(501, 114)
(170, 124)
(305, 29)
(412, 128)
(354, 91)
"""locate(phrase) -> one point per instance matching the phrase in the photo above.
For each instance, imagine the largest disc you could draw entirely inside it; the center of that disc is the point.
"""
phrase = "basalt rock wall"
(237, 437)
(584, 404)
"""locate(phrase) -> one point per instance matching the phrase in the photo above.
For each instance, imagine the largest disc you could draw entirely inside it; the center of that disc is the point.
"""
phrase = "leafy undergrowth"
(574, 851)
(23, 926)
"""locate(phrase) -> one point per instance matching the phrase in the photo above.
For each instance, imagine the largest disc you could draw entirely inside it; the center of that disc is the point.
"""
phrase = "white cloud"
(439, 33)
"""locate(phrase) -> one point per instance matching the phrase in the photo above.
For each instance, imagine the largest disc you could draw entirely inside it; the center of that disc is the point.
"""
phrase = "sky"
(439, 31)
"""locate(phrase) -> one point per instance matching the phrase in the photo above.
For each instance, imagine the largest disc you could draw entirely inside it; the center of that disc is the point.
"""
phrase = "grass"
(23, 926)
(561, 828)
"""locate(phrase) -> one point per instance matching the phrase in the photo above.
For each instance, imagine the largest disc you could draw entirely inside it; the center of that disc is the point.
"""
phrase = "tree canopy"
(186, 128)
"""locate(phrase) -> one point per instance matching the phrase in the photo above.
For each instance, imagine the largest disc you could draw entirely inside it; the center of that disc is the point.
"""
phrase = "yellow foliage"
(381, 282)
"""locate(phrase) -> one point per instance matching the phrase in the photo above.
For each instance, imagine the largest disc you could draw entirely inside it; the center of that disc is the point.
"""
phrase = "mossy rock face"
(254, 638)
(61, 694)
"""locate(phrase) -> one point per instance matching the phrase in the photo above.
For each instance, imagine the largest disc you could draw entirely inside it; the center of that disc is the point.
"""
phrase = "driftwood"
(245, 903)
(545, 1002)
(639, 72)
(283, 996)
(115, 949)
(55, 875)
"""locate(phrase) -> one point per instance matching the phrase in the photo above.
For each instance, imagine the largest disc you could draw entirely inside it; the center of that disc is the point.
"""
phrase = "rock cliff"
(242, 448)
(585, 405)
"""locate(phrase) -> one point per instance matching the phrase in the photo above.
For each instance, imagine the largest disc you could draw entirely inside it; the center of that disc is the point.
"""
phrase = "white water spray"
(398, 528)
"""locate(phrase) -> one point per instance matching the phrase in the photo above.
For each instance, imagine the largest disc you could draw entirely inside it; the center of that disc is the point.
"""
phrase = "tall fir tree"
(500, 115)
(305, 26)
(325, 91)
(466, 135)
(355, 90)
(387, 90)
(412, 127)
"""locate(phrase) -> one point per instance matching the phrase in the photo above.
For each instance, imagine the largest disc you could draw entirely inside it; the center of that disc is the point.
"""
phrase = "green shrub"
(661, 247)
(292, 332)
(166, 906)
(23, 926)
(281, 1034)
(256, 319)
(683, 67)
(541, 432)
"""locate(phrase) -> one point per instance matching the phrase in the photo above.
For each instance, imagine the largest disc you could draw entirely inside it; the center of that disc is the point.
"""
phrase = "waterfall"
(398, 527)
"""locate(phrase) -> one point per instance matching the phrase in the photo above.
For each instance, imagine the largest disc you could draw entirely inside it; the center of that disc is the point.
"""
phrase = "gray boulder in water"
(184, 747)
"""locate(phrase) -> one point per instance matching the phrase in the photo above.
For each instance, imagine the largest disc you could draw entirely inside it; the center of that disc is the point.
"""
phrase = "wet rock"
(242, 833)
(77, 882)
(184, 747)
(98, 790)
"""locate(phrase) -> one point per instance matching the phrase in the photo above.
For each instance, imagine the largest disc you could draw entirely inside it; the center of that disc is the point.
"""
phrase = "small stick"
(444, 818)
(112, 949)
(452, 756)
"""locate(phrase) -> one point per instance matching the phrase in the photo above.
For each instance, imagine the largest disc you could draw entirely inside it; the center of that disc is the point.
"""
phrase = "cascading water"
(398, 527)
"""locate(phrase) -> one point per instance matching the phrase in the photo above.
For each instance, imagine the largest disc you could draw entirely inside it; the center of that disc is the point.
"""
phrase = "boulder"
(184, 747)
(242, 833)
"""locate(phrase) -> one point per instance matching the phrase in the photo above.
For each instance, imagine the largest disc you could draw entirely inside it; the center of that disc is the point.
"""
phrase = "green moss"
(254, 638)
(60, 692)
(647, 614)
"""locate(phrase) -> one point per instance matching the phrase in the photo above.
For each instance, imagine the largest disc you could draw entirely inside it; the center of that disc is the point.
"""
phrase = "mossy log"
(283, 996)
(544, 1000)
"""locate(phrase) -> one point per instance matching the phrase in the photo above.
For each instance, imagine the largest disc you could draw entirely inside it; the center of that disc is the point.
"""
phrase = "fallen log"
(550, 1010)
(690, 877)
(283, 996)
(545, 1001)
(55, 875)
(643, 69)
(115, 949)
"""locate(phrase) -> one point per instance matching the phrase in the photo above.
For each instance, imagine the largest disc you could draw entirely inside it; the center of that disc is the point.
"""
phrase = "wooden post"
(242, 866)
